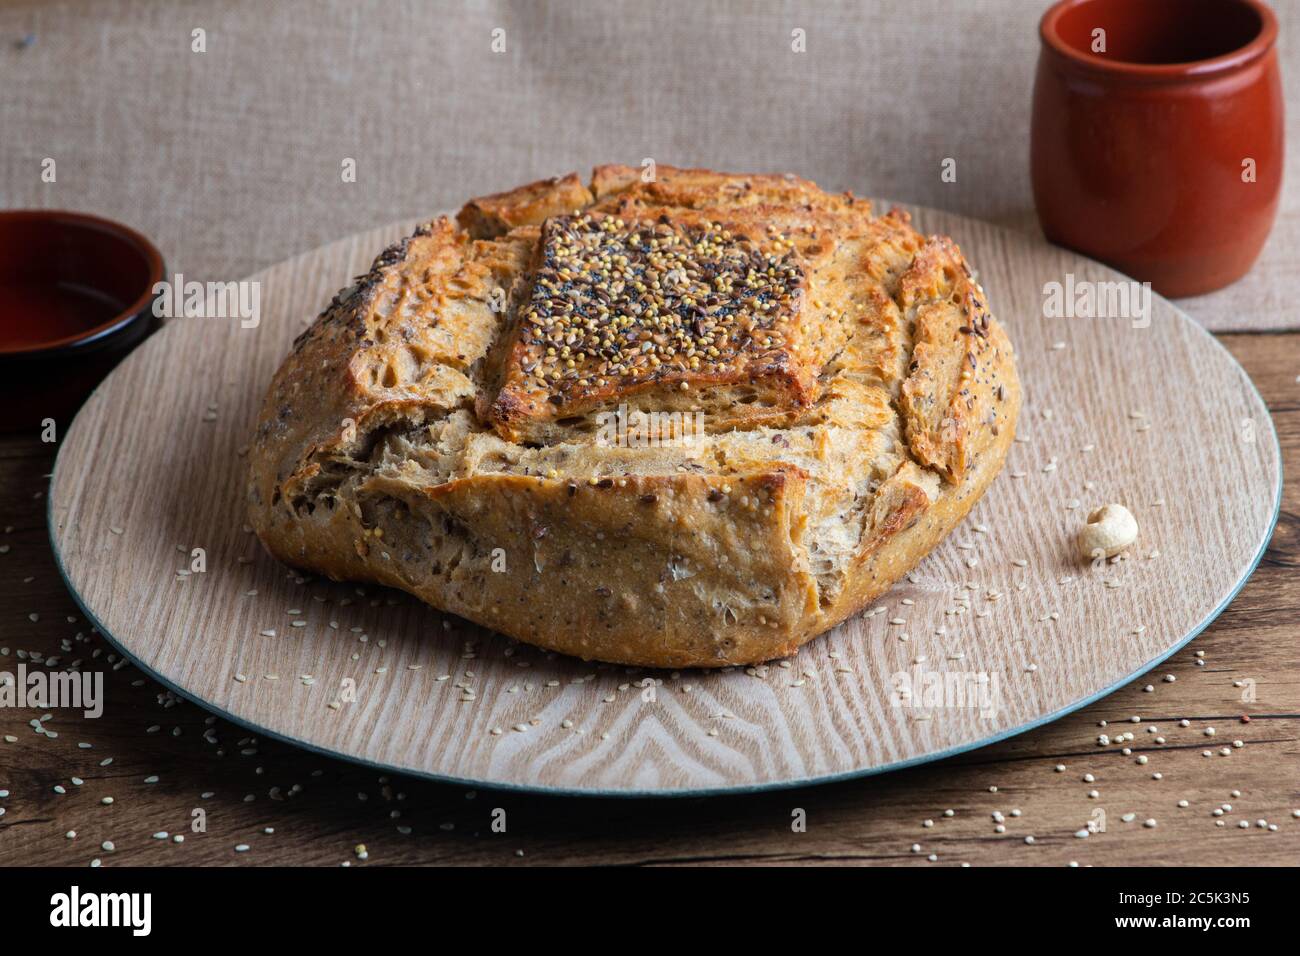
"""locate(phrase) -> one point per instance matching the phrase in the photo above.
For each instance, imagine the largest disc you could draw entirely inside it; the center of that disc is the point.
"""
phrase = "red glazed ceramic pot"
(76, 296)
(1157, 137)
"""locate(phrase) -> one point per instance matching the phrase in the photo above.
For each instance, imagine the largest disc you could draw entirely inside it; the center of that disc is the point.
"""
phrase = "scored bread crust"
(466, 421)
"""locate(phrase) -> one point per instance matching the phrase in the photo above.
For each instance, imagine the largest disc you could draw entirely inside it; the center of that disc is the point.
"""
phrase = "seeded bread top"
(754, 300)
(660, 312)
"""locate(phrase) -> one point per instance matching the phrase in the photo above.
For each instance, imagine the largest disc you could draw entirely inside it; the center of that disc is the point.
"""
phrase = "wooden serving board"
(1159, 418)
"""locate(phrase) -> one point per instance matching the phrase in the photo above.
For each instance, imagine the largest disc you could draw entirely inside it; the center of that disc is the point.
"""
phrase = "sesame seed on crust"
(619, 306)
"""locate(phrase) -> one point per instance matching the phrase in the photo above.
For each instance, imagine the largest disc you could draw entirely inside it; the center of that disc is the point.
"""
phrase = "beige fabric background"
(230, 159)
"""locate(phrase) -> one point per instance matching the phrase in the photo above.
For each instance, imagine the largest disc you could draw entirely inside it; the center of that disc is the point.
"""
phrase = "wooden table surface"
(170, 767)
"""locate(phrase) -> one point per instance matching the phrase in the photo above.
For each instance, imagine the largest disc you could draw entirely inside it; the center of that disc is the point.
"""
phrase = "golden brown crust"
(817, 422)
(951, 410)
(491, 216)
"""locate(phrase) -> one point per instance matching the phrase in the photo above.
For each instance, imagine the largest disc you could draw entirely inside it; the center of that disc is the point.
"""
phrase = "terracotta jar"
(1157, 136)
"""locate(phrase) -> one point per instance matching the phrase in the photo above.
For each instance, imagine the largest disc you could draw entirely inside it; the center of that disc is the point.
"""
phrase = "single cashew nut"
(1110, 529)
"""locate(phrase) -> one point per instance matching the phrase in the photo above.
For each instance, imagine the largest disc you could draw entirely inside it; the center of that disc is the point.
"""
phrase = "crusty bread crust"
(838, 398)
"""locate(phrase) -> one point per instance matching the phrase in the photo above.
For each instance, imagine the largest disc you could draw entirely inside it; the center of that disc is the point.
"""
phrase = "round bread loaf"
(691, 421)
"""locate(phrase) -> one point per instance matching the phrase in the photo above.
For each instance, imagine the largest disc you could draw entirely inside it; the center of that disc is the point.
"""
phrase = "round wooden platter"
(1160, 418)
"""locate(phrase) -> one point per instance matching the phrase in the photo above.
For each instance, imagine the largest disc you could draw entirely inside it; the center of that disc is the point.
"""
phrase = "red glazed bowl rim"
(1258, 45)
(142, 303)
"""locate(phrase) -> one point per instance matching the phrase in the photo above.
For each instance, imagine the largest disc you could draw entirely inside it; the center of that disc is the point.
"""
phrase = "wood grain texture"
(1156, 417)
(321, 809)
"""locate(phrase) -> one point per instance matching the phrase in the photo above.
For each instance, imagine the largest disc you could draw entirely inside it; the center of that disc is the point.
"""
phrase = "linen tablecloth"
(232, 157)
